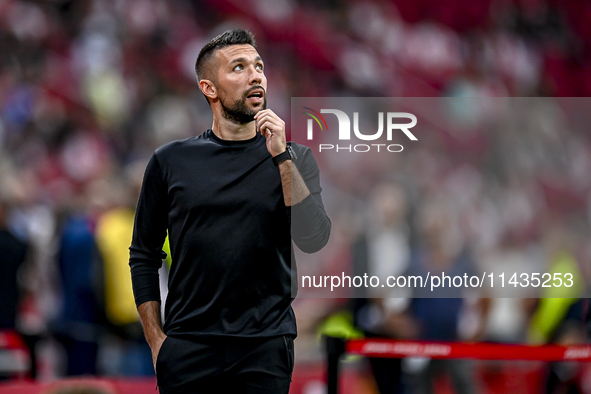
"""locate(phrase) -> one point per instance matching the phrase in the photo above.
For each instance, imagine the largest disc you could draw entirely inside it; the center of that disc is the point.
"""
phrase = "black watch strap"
(289, 154)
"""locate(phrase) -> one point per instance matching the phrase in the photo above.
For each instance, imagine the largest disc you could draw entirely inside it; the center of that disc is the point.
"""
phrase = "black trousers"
(225, 365)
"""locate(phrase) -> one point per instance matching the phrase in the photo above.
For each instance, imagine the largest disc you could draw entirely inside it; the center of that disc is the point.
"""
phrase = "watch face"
(291, 152)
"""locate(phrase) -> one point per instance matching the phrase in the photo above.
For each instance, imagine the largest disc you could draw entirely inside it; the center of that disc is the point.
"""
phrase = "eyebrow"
(243, 60)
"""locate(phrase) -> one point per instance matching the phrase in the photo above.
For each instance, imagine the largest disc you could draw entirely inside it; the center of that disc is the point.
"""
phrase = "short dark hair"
(227, 38)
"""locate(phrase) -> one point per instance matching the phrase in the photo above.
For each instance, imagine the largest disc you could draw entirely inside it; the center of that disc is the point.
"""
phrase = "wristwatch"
(289, 154)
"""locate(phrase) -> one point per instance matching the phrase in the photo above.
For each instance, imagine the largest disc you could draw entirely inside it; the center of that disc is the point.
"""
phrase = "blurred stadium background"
(88, 89)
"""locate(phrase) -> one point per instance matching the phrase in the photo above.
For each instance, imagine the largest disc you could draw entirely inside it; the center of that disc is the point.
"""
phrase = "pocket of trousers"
(160, 367)
(290, 354)
(161, 352)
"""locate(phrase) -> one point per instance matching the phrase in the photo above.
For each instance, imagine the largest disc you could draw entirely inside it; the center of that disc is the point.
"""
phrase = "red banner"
(483, 351)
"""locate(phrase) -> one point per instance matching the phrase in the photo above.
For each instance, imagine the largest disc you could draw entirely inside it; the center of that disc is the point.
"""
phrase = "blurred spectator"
(560, 315)
(384, 250)
(440, 250)
(566, 377)
(130, 354)
(508, 317)
(13, 252)
(78, 327)
(587, 311)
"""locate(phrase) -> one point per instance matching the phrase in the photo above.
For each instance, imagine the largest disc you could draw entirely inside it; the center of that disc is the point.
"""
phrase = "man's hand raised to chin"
(272, 127)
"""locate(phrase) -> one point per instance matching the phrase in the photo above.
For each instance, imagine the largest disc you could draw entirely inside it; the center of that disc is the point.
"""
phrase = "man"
(226, 198)
(13, 253)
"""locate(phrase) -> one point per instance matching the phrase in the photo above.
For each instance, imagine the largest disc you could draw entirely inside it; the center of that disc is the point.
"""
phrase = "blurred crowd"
(89, 88)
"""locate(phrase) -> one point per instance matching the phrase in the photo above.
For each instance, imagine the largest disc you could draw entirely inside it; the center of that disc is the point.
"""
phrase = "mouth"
(256, 95)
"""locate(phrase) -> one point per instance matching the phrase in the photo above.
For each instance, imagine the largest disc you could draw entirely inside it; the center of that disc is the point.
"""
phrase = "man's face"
(241, 82)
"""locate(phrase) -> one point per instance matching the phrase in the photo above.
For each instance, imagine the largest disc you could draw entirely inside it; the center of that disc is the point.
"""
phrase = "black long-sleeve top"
(229, 231)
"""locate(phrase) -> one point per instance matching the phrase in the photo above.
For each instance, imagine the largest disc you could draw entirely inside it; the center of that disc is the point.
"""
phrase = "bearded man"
(226, 198)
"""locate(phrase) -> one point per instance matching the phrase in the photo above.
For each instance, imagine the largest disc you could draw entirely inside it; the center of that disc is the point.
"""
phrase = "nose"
(256, 76)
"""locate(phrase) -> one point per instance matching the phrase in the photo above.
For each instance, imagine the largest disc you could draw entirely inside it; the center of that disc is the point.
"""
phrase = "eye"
(238, 67)
(259, 66)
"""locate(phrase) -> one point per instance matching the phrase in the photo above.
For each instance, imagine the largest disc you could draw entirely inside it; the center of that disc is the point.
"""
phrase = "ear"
(208, 88)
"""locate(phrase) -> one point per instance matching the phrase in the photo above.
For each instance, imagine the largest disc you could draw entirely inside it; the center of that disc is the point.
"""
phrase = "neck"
(228, 130)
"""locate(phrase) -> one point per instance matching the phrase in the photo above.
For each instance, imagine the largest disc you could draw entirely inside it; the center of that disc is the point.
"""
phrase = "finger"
(265, 123)
(267, 115)
(274, 124)
(264, 118)
(267, 130)
(263, 112)
(272, 129)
